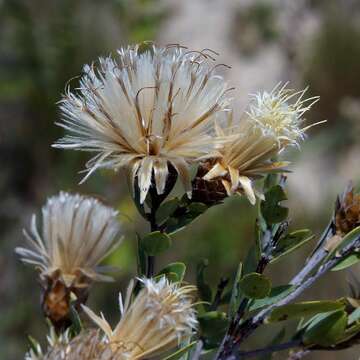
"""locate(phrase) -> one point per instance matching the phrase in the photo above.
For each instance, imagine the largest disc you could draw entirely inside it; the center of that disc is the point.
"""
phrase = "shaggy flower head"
(146, 109)
(272, 123)
(88, 345)
(160, 317)
(77, 233)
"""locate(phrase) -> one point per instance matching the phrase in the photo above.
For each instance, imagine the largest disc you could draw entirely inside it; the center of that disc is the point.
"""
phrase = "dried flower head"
(88, 345)
(272, 123)
(347, 211)
(148, 108)
(160, 317)
(77, 233)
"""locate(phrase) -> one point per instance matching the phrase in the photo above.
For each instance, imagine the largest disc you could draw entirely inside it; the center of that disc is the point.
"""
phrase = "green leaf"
(213, 325)
(181, 352)
(34, 345)
(76, 324)
(155, 243)
(272, 212)
(203, 288)
(197, 208)
(236, 292)
(255, 286)
(327, 329)
(166, 210)
(176, 271)
(350, 260)
(290, 243)
(276, 294)
(306, 308)
(348, 239)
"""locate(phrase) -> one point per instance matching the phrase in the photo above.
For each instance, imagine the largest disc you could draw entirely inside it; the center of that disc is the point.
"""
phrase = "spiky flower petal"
(146, 109)
(272, 123)
(77, 233)
(160, 317)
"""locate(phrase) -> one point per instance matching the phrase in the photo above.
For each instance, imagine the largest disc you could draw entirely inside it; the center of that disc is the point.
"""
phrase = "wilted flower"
(160, 317)
(149, 108)
(271, 124)
(77, 233)
(88, 345)
(347, 211)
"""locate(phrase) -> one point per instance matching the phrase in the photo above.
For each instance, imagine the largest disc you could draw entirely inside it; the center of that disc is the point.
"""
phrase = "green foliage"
(291, 242)
(173, 215)
(326, 329)
(255, 286)
(213, 325)
(348, 261)
(276, 294)
(155, 243)
(203, 287)
(272, 212)
(236, 291)
(174, 271)
(302, 309)
(343, 243)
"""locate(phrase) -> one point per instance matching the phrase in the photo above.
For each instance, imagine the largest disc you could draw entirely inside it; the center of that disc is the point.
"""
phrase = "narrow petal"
(248, 189)
(102, 323)
(234, 176)
(182, 169)
(144, 174)
(216, 171)
(160, 172)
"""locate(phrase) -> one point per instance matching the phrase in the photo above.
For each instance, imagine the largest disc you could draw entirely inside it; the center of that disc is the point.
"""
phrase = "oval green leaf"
(327, 329)
(174, 271)
(255, 286)
(347, 262)
(155, 243)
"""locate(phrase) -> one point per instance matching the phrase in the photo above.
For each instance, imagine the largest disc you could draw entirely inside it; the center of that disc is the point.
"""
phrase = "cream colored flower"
(77, 233)
(160, 317)
(88, 345)
(272, 123)
(144, 110)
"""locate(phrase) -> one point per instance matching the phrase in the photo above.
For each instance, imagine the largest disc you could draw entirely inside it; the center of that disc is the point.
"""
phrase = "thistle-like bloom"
(272, 123)
(77, 233)
(146, 109)
(88, 345)
(160, 317)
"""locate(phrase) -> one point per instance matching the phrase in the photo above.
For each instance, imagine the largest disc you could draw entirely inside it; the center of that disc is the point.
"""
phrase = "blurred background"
(43, 44)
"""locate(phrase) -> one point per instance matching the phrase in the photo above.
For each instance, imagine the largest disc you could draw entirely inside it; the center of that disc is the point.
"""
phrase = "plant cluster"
(163, 114)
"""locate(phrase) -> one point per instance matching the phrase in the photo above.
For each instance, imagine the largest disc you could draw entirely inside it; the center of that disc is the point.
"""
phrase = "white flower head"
(160, 317)
(77, 233)
(145, 109)
(272, 123)
(279, 113)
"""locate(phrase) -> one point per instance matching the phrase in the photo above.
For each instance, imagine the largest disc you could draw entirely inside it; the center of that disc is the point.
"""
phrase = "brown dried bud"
(57, 299)
(209, 192)
(347, 212)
